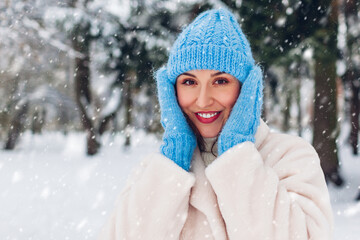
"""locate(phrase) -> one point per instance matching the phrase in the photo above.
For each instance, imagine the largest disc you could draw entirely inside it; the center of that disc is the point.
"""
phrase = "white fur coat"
(273, 189)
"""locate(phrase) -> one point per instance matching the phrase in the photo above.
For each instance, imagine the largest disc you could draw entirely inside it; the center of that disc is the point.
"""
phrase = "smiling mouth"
(207, 117)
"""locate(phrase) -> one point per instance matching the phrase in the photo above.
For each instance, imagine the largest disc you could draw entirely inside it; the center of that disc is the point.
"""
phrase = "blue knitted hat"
(214, 41)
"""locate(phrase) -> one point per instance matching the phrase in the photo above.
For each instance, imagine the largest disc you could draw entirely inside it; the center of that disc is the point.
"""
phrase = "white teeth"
(207, 115)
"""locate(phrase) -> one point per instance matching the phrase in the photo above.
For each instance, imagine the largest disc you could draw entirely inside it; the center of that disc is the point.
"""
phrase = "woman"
(220, 173)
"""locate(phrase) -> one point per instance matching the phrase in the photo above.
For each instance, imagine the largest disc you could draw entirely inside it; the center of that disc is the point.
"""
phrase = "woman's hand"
(179, 141)
(244, 118)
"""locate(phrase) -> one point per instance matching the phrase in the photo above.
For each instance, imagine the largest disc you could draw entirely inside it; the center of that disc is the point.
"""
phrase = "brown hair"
(199, 138)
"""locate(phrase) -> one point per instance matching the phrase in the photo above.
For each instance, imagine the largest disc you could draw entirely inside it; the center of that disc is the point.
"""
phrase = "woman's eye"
(188, 82)
(221, 81)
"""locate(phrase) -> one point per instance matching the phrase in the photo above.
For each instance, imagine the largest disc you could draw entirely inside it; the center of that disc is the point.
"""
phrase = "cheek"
(185, 98)
(228, 98)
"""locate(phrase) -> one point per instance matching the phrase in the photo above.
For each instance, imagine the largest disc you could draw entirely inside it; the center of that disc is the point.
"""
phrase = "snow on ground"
(49, 189)
(346, 210)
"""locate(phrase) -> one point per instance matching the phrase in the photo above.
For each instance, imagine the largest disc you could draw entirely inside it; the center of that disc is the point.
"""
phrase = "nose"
(205, 98)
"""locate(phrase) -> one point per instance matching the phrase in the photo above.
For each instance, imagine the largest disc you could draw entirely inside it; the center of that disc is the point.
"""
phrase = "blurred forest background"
(87, 65)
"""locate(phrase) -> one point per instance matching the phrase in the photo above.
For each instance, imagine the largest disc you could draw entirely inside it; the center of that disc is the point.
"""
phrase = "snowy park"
(51, 190)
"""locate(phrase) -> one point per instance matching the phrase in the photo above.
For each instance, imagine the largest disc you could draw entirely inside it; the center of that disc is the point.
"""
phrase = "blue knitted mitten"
(244, 118)
(179, 141)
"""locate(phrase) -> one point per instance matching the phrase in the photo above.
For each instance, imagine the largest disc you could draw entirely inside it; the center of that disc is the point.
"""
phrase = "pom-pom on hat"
(213, 41)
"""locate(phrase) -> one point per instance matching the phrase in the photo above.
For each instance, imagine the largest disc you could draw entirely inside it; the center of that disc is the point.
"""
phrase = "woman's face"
(207, 97)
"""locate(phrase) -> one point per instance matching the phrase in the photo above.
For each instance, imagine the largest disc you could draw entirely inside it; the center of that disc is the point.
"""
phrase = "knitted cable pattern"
(214, 41)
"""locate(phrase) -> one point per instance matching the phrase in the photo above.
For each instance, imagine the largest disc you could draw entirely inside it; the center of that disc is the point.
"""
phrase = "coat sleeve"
(153, 205)
(281, 194)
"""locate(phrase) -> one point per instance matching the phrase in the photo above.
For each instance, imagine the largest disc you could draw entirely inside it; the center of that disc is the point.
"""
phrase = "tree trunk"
(81, 43)
(298, 103)
(325, 118)
(355, 109)
(128, 106)
(38, 121)
(352, 75)
(286, 111)
(83, 99)
(17, 126)
(326, 130)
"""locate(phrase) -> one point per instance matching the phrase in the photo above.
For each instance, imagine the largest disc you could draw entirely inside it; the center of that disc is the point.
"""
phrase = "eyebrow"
(188, 74)
(217, 73)
(212, 75)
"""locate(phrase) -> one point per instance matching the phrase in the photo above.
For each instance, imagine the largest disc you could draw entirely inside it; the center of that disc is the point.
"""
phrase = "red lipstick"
(207, 117)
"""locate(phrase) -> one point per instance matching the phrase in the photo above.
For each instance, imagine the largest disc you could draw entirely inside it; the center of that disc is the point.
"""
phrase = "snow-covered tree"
(30, 59)
(116, 51)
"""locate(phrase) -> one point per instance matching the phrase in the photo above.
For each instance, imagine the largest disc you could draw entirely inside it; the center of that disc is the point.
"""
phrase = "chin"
(209, 134)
